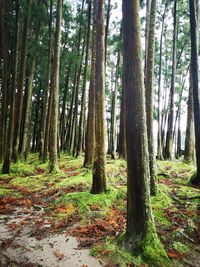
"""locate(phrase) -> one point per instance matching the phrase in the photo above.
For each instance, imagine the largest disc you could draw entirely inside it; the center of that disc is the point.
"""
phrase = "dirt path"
(21, 245)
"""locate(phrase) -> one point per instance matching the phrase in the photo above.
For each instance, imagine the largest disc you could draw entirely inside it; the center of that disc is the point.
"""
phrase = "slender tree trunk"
(194, 6)
(90, 134)
(21, 77)
(53, 160)
(4, 80)
(113, 112)
(159, 145)
(8, 153)
(25, 141)
(63, 116)
(189, 136)
(82, 114)
(107, 29)
(122, 128)
(45, 120)
(99, 173)
(169, 140)
(149, 93)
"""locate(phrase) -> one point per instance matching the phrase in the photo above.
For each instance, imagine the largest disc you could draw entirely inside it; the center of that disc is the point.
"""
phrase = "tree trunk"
(140, 225)
(113, 112)
(122, 129)
(189, 138)
(4, 80)
(159, 145)
(82, 114)
(194, 5)
(90, 134)
(107, 29)
(25, 141)
(99, 173)
(169, 140)
(8, 153)
(21, 77)
(149, 92)
(45, 120)
(63, 116)
(53, 161)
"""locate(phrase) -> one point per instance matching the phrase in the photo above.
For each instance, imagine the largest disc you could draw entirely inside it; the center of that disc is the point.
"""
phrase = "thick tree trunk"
(149, 93)
(53, 160)
(99, 173)
(169, 140)
(8, 153)
(21, 77)
(194, 5)
(138, 209)
(90, 134)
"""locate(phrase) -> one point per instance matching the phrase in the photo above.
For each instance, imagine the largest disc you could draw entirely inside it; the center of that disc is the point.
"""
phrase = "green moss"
(180, 247)
(153, 250)
(33, 183)
(9, 192)
(23, 168)
(159, 203)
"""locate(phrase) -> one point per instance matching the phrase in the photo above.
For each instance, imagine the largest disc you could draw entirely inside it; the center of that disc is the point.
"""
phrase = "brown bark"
(99, 173)
(194, 12)
(54, 88)
(8, 153)
(21, 77)
(45, 120)
(90, 134)
(149, 92)
(138, 203)
(4, 79)
(82, 114)
(169, 138)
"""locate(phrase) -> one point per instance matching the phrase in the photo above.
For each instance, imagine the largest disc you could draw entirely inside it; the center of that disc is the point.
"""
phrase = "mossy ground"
(101, 219)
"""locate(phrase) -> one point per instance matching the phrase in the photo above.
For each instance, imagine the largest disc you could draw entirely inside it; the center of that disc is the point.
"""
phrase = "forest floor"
(53, 220)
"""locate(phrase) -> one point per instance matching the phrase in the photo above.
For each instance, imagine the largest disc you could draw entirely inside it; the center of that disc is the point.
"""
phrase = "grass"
(174, 207)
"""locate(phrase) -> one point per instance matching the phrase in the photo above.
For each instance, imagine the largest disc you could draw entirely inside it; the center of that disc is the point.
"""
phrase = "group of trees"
(60, 62)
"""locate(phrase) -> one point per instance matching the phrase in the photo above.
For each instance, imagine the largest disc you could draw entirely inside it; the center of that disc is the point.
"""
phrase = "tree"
(99, 174)
(9, 140)
(194, 5)
(169, 140)
(21, 78)
(90, 133)
(149, 92)
(54, 88)
(140, 226)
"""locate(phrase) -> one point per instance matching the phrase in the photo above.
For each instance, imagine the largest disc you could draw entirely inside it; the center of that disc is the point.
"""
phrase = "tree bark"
(82, 114)
(149, 92)
(21, 77)
(99, 173)
(90, 134)
(194, 6)
(169, 139)
(8, 153)
(53, 160)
